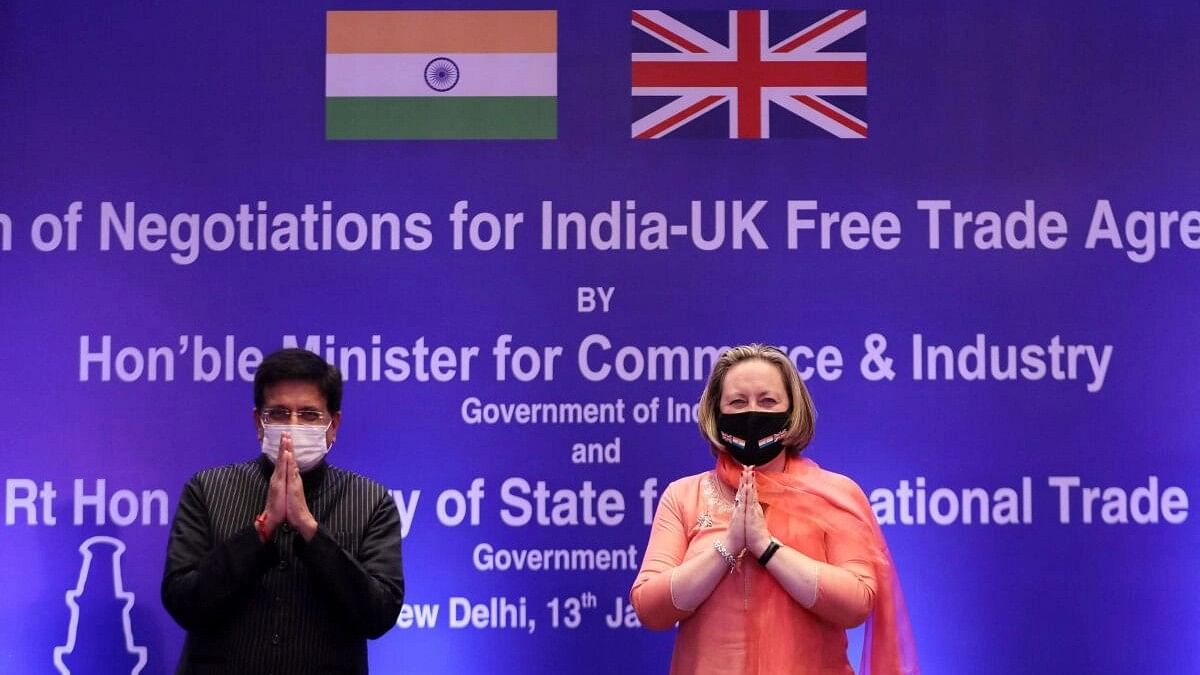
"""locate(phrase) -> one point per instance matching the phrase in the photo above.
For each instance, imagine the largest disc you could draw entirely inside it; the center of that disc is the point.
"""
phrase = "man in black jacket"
(284, 564)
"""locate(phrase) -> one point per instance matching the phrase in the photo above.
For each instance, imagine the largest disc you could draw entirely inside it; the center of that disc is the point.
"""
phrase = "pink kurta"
(724, 636)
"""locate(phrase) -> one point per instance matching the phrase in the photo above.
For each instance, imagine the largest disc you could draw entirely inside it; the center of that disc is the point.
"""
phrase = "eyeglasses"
(285, 416)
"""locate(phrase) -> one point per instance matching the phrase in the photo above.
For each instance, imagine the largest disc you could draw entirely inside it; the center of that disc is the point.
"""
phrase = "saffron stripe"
(441, 31)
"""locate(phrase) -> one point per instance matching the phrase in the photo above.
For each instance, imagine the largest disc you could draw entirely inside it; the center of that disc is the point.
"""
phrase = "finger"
(280, 465)
(285, 476)
(293, 468)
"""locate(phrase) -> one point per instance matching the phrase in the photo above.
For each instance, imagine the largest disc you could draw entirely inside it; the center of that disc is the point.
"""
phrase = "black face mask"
(753, 438)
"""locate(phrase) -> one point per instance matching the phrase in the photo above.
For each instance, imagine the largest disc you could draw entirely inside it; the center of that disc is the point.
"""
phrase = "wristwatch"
(769, 551)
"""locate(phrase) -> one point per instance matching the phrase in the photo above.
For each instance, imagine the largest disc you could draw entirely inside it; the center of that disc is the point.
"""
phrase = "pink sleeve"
(847, 585)
(651, 593)
(846, 593)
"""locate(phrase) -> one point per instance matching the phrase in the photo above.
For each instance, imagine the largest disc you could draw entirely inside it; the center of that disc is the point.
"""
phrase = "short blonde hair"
(802, 415)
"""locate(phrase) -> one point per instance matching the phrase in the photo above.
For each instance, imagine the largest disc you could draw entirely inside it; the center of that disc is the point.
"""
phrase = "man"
(284, 564)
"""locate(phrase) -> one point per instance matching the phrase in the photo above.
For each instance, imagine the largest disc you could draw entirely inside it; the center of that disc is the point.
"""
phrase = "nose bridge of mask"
(296, 430)
(308, 442)
(753, 425)
(752, 437)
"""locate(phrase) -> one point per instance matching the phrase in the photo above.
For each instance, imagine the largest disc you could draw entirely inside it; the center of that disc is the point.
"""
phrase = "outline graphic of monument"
(105, 552)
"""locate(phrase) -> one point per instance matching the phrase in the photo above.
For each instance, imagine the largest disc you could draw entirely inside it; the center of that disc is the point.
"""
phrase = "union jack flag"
(811, 66)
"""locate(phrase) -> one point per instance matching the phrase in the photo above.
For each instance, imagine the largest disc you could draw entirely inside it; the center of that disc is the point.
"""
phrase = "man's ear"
(258, 428)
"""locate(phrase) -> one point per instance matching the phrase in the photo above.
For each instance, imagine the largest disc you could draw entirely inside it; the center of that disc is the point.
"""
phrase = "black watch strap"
(770, 551)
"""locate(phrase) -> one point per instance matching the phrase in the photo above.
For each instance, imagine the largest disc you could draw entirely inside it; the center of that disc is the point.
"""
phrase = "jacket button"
(275, 639)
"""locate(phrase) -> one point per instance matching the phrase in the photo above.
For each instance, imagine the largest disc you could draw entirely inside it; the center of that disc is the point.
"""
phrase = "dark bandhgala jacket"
(287, 606)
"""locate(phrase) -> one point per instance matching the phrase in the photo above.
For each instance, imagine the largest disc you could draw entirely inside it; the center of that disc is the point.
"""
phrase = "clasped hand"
(748, 526)
(285, 495)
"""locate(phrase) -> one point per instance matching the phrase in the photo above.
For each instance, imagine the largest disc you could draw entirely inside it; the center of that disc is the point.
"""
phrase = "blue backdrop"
(1081, 114)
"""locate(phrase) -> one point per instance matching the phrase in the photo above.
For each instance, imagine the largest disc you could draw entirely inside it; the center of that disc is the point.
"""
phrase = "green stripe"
(383, 117)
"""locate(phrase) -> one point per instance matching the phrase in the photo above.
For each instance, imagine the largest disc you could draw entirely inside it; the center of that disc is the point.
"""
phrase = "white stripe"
(656, 117)
(814, 91)
(829, 37)
(672, 56)
(827, 123)
(404, 75)
(689, 96)
(698, 92)
(801, 56)
(764, 112)
(682, 30)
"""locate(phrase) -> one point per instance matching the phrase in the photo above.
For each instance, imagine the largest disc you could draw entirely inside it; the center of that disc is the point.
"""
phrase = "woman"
(767, 560)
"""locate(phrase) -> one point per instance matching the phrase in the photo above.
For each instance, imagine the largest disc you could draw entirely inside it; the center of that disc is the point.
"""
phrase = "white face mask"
(308, 443)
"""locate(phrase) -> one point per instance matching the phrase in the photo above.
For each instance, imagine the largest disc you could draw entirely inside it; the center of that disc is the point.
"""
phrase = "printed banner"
(991, 293)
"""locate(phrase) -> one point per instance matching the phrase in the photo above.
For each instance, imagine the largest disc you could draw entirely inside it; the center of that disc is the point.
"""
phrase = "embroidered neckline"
(715, 494)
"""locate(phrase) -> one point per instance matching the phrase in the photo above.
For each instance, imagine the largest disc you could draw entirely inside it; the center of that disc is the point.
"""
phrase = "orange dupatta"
(804, 492)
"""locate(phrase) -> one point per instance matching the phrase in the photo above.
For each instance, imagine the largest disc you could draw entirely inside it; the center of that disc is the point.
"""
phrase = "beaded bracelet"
(725, 554)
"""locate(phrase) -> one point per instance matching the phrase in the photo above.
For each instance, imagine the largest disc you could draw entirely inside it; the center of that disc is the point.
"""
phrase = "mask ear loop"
(330, 442)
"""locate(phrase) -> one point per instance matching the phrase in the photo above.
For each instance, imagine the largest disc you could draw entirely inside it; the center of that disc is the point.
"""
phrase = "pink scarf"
(805, 493)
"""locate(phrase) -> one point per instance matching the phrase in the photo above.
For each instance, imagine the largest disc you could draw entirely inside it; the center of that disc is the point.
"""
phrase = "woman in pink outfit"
(767, 559)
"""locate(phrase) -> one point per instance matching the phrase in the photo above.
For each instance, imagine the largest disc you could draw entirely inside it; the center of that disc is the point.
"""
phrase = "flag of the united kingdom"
(749, 74)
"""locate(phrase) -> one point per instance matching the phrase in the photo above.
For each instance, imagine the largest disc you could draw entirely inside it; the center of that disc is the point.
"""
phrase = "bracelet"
(725, 554)
(769, 551)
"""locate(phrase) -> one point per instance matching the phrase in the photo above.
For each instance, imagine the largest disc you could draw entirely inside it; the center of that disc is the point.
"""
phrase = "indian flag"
(441, 74)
